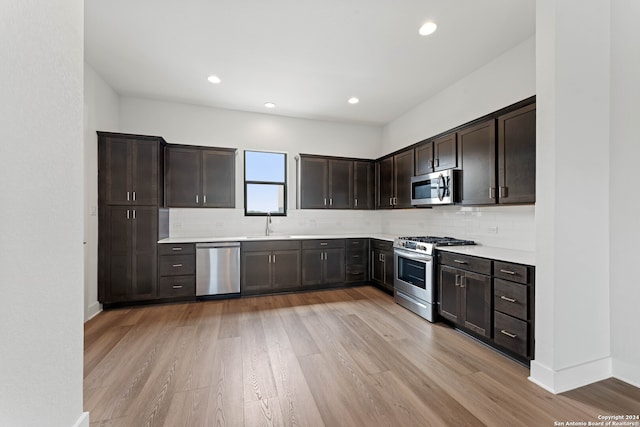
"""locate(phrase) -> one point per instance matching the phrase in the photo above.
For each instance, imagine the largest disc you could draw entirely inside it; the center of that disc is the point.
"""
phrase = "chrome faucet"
(267, 231)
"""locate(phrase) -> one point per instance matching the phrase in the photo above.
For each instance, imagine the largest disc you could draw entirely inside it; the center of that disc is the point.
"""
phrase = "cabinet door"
(424, 158)
(517, 156)
(145, 179)
(377, 267)
(403, 172)
(363, 185)
(478, 161)
(384, 179)
(334, 266)
(256, 271)
(313, 183)
(115, 171)
(445, 152)
(312, 266)
(476, 303)
(115, 267)
(286, 269)
(144, 231)
(340, 184)
(183, 177)
(218, 178)
(387, 261)
(449, 284)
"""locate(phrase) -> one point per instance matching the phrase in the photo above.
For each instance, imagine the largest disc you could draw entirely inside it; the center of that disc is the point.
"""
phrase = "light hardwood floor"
(347, 357)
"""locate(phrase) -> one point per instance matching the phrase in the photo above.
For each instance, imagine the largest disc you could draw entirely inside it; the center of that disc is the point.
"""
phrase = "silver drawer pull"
(177, 286)
(509, 334)
(323, 244)
(513, 273)
(459, 261)
(508, 299)
(176, 249)
(177, 265)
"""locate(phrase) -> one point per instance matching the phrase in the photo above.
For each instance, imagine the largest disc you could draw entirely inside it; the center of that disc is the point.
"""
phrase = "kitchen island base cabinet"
(268, 267)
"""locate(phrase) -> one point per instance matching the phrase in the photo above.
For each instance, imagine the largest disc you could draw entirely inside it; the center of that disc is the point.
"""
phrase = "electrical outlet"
(493, 229)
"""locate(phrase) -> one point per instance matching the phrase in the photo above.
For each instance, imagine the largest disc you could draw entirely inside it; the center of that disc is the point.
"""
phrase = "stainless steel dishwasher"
(217, 268)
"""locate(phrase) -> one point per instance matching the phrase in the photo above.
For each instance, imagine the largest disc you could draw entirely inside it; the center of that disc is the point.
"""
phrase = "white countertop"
(210, 239)
(501, 254)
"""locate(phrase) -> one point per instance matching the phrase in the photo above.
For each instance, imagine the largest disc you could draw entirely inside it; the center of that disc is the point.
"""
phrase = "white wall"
(41, 196)
(625, 175)
(572, 275)
(101, 112)
(195, 125)
(505, 80)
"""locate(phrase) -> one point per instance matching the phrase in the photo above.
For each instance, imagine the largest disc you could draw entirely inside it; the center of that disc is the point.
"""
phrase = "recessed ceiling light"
(214, 79)
(270, 105)
(353, 100)
(427, 28)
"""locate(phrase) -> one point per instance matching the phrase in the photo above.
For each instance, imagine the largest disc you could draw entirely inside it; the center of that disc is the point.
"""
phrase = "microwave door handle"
(441, 186)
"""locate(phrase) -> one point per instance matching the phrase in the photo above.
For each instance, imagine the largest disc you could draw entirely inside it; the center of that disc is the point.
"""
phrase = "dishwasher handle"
(217, 245)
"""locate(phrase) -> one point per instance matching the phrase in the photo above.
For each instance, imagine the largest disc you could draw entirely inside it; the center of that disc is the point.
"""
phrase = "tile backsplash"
(511, 227)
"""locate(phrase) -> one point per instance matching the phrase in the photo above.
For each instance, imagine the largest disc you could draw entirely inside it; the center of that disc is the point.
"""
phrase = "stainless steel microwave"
(438, 188)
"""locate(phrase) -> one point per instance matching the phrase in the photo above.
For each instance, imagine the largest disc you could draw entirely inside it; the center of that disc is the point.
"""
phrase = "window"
(265, 183)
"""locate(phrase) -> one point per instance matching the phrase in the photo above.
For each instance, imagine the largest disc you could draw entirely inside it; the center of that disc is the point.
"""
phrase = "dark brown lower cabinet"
(382, 264)
(177, 270)
(270, 266)
(323, 262)
(465, 296)
(127, 268)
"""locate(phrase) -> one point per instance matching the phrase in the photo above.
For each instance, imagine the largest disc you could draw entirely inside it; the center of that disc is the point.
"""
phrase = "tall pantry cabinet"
(130, 216)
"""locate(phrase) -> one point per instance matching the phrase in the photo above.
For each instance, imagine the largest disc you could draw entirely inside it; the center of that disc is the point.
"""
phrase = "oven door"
(413, 274)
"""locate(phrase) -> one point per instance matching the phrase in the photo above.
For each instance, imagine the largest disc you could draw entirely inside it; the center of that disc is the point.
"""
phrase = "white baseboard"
(626, 372)
(573, 377)
(92, 311)
(83, 421)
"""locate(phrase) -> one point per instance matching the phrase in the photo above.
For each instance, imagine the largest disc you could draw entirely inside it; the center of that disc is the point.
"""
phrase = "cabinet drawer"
(359, 257)
(510, 298)
(356, 273)
(179, 286)
(510, 333)
(176, 249)
(466, 262)
(271, 245)
(357, 244)
(508, 271)
(323, 244)
(384, 245)
(177, 265)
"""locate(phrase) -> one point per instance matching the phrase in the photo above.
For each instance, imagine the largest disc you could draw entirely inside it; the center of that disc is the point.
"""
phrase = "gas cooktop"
(426, 244)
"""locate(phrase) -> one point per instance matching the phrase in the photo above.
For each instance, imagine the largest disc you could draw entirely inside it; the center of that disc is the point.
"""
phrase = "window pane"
(265, 198)
(260, 166)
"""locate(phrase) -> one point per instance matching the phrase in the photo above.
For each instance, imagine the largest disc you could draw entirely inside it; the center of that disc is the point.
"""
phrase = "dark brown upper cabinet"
(335, 183)
(200, 177)
(517, 156)
(477, 158)
(393, 177)
(436, 154)
(363, 184)
(130, 169)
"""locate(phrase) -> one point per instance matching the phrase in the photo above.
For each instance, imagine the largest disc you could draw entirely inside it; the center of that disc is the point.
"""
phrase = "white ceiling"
(306, 56)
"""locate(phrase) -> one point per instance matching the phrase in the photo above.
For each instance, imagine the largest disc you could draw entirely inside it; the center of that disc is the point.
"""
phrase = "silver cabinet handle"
(356, 200)
(325, 201)
(509, 334)
(457, 280)
(390, 201)
(437, 162)
(492, 192)
(430, 164)
(177, 286)
(197, 199)
(330, 201)
(177, 265)
(459, 261)
(134, 214)
(127, 196)
(269, 259)
(463, 281)
(134, 196)
(503, 192)
(176, 249)
(323, 243)
(204, 199)
(274, 258)
(508, 299)
(508, 272)
(128, 214)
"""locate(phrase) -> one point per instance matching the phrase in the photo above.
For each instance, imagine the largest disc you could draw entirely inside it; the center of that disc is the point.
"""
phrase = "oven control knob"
(421, 248)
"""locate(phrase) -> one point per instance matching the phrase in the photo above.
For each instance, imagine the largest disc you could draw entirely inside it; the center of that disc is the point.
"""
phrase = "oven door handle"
(413, 256)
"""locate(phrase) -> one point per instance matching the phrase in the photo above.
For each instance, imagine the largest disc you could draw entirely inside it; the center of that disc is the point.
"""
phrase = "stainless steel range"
(414, 272)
